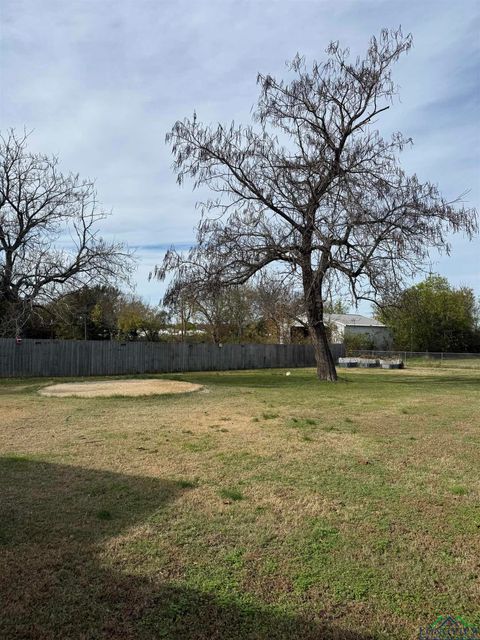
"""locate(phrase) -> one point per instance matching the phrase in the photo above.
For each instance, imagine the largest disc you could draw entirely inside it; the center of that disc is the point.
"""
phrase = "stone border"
(370, 363)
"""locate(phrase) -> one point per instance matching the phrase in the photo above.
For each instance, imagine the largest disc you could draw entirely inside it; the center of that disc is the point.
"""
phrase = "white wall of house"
(380, 336)
(342, 325)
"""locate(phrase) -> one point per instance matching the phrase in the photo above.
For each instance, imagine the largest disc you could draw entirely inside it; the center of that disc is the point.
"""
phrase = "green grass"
(459, 490)
(231, 494)
(447, 362)
(271, 507)
(269, 416)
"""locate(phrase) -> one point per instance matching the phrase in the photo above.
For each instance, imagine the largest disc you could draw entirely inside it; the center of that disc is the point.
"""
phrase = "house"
(344, 325)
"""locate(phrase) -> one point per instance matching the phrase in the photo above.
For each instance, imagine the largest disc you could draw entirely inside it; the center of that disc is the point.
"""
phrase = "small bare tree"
(49, 242)
(313, 186)
(279, 303)
(224, 313)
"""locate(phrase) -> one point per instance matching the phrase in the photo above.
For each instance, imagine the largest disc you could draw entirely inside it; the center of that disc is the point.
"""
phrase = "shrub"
(358, 342)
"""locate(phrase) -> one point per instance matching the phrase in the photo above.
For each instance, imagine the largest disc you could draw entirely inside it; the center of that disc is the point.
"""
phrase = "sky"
(100, 82)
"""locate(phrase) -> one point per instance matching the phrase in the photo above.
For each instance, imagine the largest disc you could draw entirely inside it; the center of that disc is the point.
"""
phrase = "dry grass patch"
(108, 388)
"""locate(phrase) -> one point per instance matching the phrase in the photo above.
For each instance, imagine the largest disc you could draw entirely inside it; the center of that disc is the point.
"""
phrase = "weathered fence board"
(33, 358)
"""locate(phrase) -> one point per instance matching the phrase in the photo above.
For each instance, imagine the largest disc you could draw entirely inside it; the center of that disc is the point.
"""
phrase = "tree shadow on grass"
(54, 585)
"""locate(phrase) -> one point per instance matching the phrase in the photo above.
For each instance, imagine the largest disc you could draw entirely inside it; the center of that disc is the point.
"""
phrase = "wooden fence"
(97, 358)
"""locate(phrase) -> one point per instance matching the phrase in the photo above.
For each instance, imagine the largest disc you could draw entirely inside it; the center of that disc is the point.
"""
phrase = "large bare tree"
(313, 185)
(49, 238)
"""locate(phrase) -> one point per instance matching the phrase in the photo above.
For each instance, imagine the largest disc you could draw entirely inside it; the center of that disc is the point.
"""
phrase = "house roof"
(347, 320)
(352, 320)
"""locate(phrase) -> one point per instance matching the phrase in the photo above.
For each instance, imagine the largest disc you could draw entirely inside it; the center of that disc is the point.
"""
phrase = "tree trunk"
(312, 289)
(215, 333)
(325, 364)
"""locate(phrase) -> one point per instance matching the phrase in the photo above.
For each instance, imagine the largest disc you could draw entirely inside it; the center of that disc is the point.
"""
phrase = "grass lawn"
(264, 506)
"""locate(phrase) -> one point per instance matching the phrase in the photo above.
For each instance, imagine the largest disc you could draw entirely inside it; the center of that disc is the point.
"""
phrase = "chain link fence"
(426, 358)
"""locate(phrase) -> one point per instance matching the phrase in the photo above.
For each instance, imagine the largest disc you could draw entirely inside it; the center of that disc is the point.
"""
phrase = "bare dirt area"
(97, 388)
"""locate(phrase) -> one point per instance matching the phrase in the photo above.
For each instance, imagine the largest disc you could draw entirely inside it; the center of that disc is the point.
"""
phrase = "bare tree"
(279, 303)
(224, 313)
(311, 184)
(229, 313)
(181, 311)
(49, 242)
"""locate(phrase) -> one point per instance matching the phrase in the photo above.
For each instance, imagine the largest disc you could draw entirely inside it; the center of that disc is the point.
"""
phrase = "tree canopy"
(312, 187)
(98, 313)
(434, 316)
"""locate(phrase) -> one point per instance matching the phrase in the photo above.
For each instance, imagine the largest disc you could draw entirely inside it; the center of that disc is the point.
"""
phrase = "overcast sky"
(100, 82)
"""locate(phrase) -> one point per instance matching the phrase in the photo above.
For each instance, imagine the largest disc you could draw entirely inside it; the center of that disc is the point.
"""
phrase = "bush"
(358, 342)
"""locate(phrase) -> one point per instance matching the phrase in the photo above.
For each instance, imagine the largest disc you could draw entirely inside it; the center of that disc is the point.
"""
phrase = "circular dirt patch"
(97, 388)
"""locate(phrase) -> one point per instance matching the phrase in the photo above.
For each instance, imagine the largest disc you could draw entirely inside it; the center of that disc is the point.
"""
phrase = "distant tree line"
(96, 313)
(429, 316)
(263, 311)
